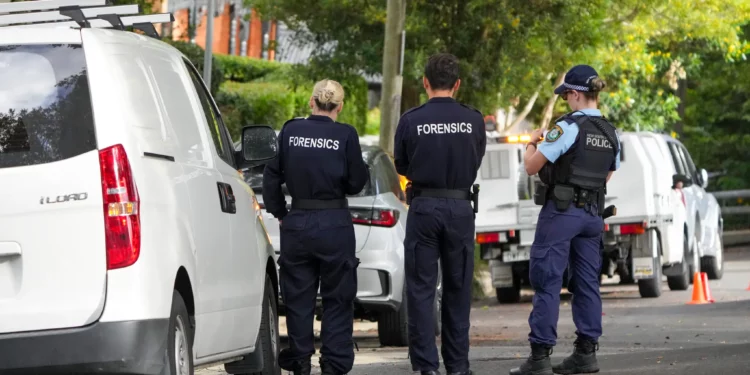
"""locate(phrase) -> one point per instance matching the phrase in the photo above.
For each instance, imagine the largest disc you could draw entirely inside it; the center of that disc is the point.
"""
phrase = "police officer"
(574, 161)
(439, 147)
(320, 160)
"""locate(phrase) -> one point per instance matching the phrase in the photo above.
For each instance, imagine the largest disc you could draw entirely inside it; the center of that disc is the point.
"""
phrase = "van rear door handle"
(227, 198)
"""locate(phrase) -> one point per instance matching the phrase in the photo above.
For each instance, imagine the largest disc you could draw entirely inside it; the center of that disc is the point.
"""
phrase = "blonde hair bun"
(328, 92)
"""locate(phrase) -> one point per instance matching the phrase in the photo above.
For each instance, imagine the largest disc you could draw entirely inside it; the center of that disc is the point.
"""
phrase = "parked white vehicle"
(507, 217)
(129, 242)
(379, 214)
(644, 239)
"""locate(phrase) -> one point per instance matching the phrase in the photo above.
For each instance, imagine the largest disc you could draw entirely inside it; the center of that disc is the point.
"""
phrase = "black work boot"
(582, 361)
(301, 367)
(327, 369)
(537, 364)
(467, 372)
(431, 372)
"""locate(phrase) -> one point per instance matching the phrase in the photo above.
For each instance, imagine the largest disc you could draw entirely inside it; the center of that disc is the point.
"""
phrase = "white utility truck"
(641, 242)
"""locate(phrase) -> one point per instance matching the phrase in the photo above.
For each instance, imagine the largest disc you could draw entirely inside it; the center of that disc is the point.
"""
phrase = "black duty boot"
(300, 367)
(467, 372)
(537, 364)
(327, 369)
(582, 361)
(429, 372)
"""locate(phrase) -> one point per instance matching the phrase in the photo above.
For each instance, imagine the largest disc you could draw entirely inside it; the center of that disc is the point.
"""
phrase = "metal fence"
(737, 197)
(736, 213)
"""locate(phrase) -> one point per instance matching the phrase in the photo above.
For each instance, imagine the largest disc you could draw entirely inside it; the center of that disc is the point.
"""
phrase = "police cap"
(578, 78)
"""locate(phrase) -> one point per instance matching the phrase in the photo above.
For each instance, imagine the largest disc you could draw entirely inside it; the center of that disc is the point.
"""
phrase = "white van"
(129, 242)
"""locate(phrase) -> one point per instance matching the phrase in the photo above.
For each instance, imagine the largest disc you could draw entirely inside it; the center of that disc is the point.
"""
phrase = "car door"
(244, 275)
(689, 191)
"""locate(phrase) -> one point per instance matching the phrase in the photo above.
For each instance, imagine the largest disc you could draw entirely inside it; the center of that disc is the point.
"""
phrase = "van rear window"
(45, 106)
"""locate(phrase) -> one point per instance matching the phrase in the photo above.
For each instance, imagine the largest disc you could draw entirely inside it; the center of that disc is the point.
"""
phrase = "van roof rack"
(80, 13)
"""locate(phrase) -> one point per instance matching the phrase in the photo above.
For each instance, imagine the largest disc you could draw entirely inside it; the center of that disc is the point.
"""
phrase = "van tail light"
(639, 228)
(376, 217)
(483, 238)
(122, 219)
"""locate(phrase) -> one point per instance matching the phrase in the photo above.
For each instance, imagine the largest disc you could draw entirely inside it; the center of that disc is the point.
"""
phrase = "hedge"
(254, 91)
(272, 103)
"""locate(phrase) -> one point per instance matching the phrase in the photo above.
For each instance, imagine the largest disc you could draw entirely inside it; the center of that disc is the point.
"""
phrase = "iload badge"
(554, 134)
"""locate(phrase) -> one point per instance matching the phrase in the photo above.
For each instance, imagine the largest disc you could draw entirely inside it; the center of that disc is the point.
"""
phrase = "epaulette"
(294, 119)
(472, 108)
(563, 117)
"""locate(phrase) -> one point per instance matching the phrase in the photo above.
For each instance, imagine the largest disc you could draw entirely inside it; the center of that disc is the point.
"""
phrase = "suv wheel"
(393, 329)
(180, 338)
(714, 265)
(268, 337)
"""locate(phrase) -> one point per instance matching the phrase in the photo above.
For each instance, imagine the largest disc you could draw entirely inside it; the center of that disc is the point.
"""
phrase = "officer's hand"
(536, 135)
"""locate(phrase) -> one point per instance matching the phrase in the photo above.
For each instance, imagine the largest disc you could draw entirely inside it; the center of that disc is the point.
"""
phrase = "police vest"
(587, 163)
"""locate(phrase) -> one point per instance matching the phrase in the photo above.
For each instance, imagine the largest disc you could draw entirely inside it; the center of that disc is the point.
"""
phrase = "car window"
(174, 95)
(689, 161)
(215, 125)
(390, 179)
(677, 159)
(45, 105)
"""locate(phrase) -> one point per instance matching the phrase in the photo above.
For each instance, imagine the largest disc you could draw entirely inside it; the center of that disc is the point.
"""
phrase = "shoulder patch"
(554, 134)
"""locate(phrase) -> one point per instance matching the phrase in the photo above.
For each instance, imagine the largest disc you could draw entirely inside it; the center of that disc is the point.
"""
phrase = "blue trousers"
(571, 237)
(318, 248)
(439, 229)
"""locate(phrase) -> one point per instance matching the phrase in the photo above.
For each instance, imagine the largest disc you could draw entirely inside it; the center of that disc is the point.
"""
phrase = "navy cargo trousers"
(571, 237)
(439, 233)
(318, 249)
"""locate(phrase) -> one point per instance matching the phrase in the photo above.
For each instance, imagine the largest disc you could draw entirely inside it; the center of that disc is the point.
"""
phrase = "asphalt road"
(641, 336)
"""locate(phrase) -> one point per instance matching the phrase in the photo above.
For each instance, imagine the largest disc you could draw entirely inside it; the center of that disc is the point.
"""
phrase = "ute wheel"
(682, 281)
(179, 338)
(393, 329)
(651, 288)
(268, 338)
(714, 265)
(510, 294)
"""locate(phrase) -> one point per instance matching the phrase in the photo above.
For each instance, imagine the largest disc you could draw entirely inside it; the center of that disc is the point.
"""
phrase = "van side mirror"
(704, 178)
(259, 144)
(681, 178)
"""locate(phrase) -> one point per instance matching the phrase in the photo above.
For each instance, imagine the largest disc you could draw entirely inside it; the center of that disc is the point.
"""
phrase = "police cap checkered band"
(578, 78)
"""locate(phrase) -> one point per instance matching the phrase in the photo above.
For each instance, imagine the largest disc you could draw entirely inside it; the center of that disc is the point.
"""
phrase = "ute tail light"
(638, 228)
(376, 217)
(483, 238)
(122, 219)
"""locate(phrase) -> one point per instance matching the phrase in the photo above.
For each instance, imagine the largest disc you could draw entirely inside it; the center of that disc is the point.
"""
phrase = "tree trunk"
(529, 105)
(390, 102)
(550, 106)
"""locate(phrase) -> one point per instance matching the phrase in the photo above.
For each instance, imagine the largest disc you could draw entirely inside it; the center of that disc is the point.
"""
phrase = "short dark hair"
(442, 71)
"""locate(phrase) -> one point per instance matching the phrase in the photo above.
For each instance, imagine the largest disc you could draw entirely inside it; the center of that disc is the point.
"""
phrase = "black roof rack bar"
(31, 6)
(114, 19)
(147, 28)
(76, 14)
(55, 15)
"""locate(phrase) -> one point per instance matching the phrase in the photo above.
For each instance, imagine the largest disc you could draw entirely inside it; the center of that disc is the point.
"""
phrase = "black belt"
(443, 193)
(319, 204)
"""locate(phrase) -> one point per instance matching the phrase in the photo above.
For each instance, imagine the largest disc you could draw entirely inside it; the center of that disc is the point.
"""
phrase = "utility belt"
(564, 195)
(469, 195)
(319, 204)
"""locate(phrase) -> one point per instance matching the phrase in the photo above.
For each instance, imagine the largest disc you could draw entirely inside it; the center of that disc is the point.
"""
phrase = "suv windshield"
(45, 106)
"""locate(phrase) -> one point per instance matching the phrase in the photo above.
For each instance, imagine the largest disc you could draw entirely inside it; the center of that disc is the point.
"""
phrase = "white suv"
(129, 242)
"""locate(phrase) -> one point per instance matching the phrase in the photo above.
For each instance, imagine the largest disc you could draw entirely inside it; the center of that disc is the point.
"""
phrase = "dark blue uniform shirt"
(440, 144)
(318, 159)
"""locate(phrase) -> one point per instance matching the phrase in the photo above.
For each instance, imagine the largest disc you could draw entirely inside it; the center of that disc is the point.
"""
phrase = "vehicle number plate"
(643, 268)
(516, 256)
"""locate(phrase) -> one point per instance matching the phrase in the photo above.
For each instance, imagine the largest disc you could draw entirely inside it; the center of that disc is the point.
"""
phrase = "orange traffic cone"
(706, 289)
(698, 293)
(748, 288)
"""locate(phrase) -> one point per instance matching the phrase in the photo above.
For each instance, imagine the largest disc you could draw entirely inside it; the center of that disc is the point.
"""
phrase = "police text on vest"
(331, 144)
(463, 127)
(597, 141)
